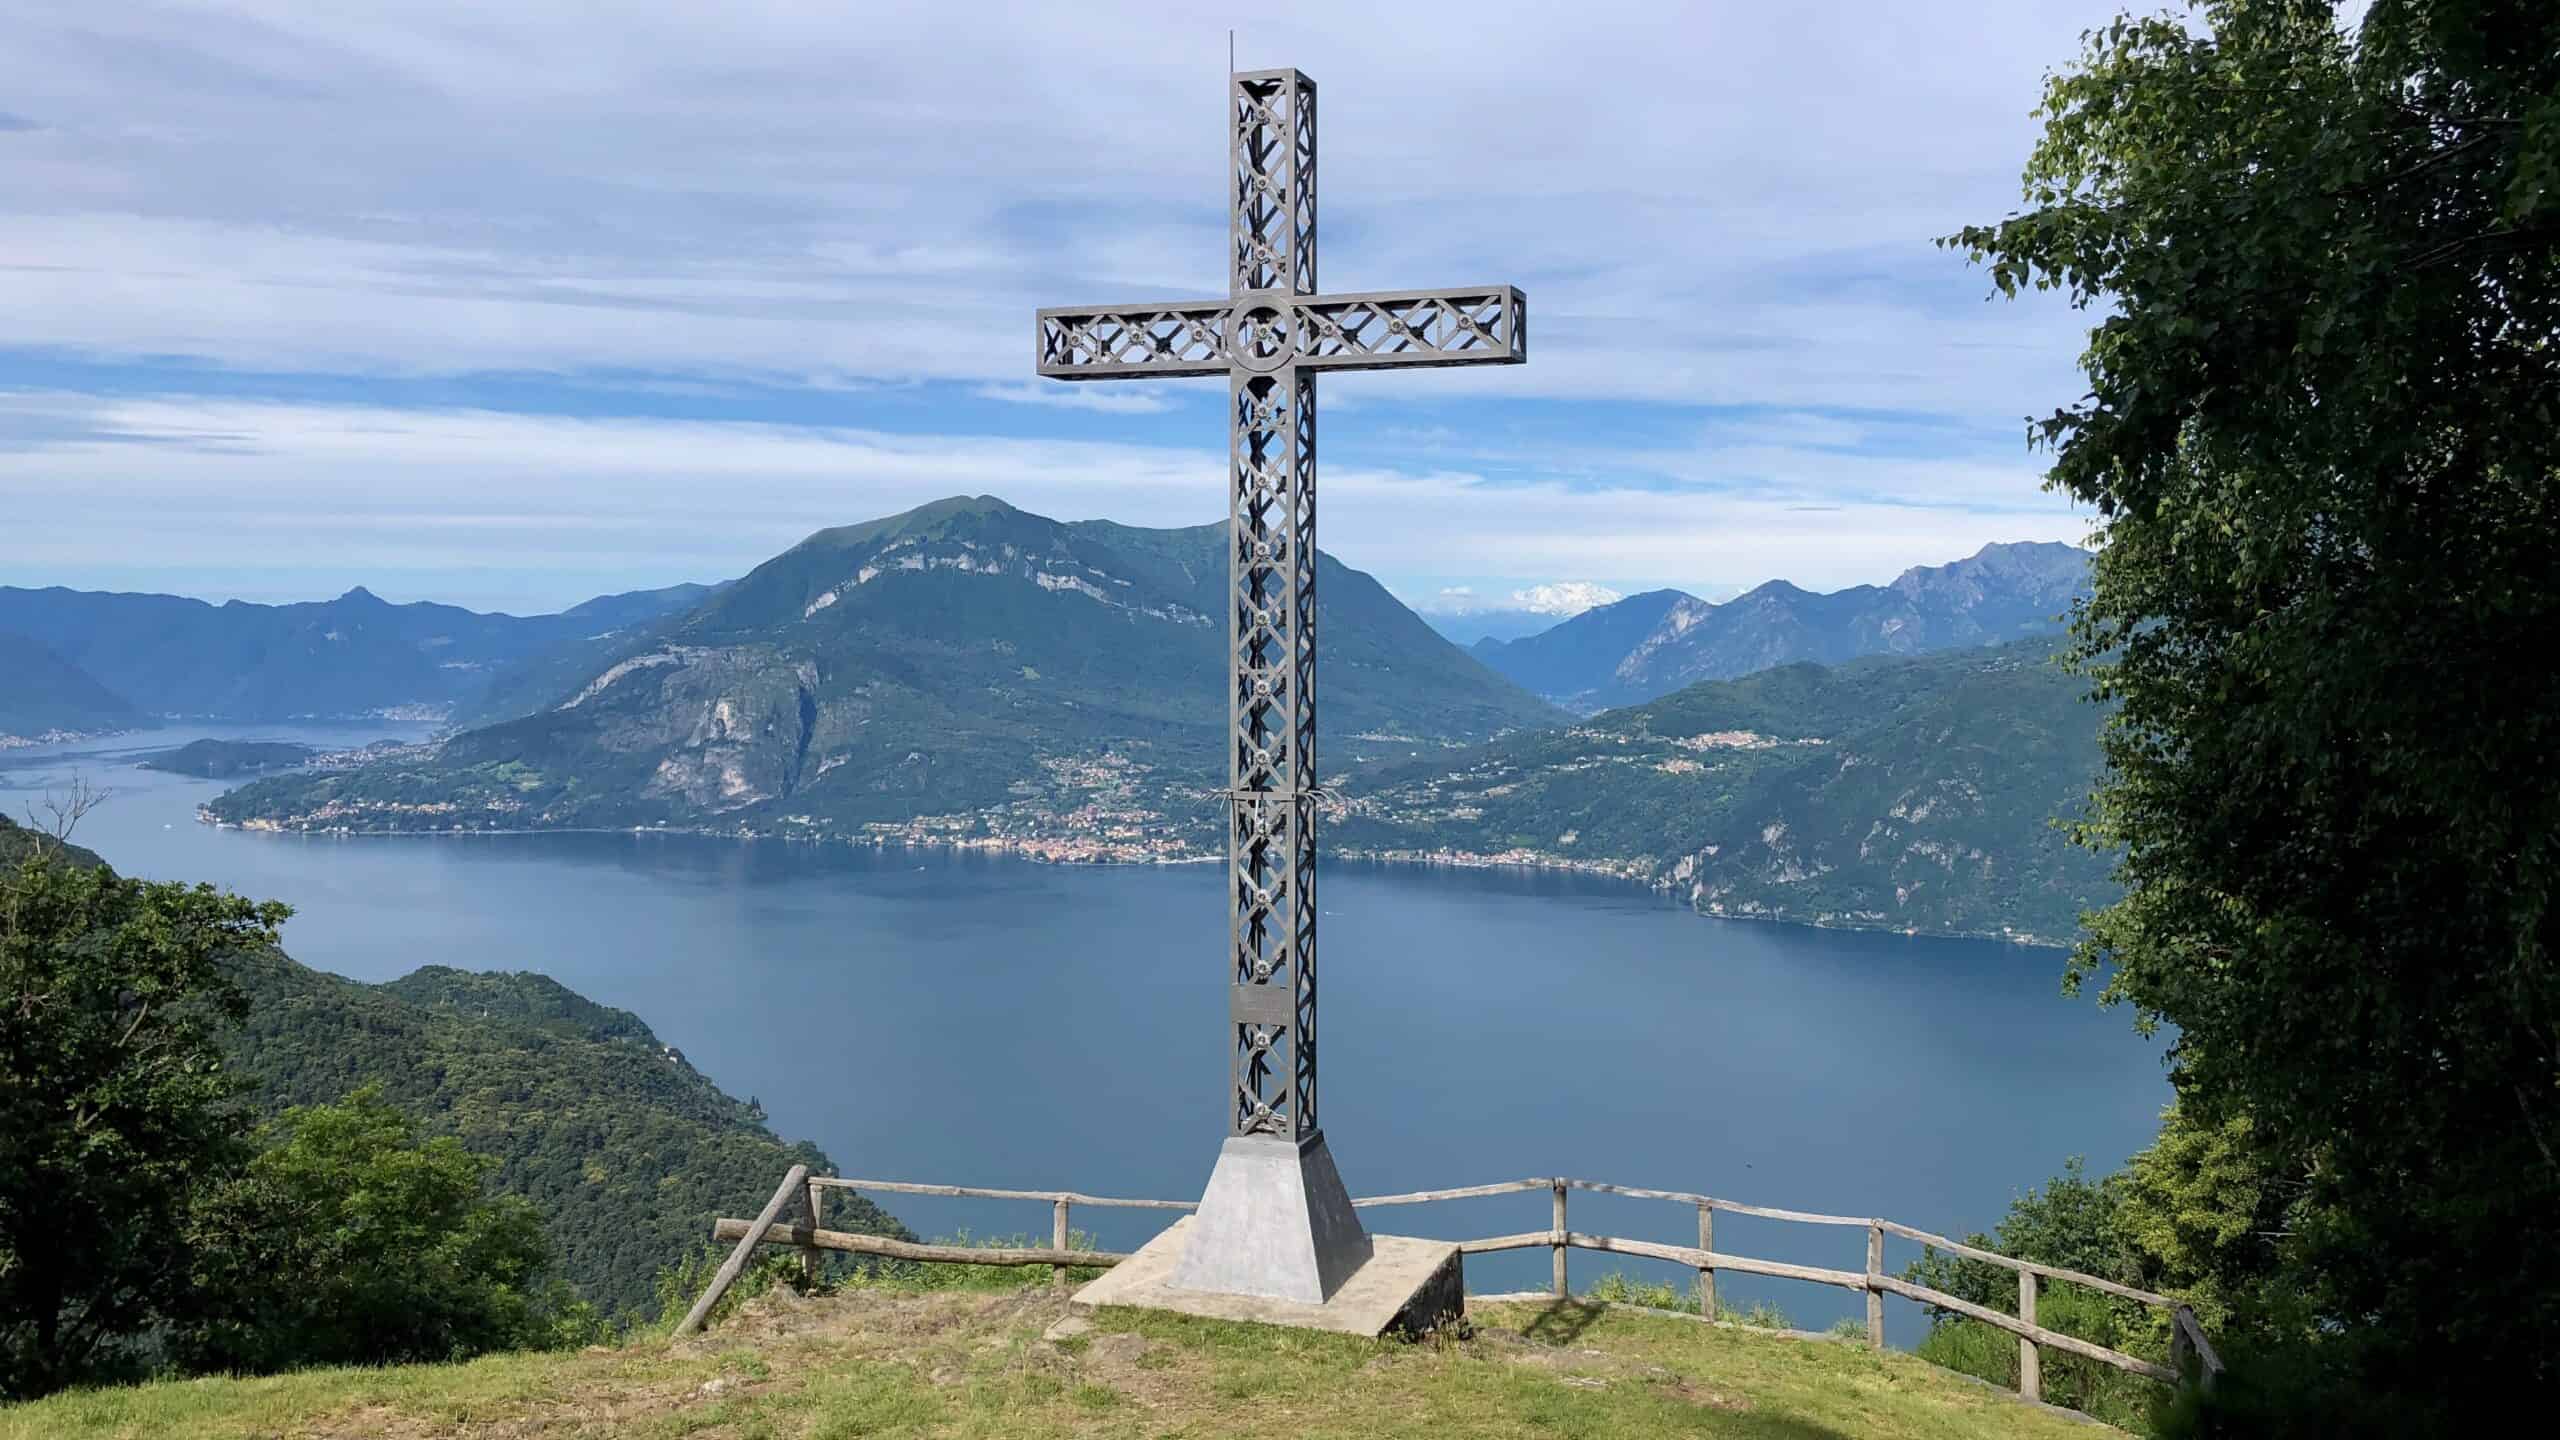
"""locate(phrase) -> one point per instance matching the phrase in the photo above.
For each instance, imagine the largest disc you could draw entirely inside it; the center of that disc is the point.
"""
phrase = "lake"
(979, 1021)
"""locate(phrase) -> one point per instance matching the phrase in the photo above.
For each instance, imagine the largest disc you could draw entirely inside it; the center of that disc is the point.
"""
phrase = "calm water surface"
(978, 1021)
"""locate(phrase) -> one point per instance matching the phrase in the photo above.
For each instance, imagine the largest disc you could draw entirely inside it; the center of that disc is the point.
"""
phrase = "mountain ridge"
(46, 694)
(963, 660)
(1650, 645)
(356, 655)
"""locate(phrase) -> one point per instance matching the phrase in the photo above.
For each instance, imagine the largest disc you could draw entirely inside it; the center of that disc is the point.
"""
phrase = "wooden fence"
(2189, 1347)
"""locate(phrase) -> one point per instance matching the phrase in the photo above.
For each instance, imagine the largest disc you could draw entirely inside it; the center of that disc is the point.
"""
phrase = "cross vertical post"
(1271, 761)
(1275, 1219)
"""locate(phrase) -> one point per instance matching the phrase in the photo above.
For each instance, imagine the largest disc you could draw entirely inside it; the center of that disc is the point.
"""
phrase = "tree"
(348, 1241)
(113, 1094)
(2190, 1217)
(2322, 436)
(2210, 1224)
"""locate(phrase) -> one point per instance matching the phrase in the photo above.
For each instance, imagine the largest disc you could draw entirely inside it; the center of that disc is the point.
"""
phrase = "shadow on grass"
(1562, 1321)
(1787, 1427)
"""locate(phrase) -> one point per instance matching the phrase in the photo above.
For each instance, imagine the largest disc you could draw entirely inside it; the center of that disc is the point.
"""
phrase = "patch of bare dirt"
(1117, 1351)
(1587, 1368)
(1696, 1394)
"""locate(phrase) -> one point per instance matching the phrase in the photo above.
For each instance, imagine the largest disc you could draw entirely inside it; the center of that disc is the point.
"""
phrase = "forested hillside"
(627, 1151)
(1892, 793)
(17, 839)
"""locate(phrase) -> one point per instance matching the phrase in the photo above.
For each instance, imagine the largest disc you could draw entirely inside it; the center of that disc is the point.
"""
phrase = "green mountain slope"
(1887, 793)
(966, 661)
(40, 692)
(16, 840)
(627, 1151)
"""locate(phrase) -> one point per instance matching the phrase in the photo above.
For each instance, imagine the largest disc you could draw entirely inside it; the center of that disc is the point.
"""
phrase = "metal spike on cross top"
(1271, 337)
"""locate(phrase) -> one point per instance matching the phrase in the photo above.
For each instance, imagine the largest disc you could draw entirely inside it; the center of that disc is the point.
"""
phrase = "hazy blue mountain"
(1470, 628)
(1650, 645)
(352, 656)
(952, 661)
(1577, 656)
(41, 692)
(638, 607)
(1889, 792)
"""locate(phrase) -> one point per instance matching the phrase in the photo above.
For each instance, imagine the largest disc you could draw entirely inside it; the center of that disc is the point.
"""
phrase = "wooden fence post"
(1875, 1292)
(2030, 1368)
(737, 1260)
(1058, 1241)
(1560, 1233)
(2187, 1343)
(1707, 1273)
(809, 1254)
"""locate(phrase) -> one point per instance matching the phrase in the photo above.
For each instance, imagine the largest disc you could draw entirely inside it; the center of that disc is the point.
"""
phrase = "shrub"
(1762, 1315)
(348, 1241)
(1619, 1288)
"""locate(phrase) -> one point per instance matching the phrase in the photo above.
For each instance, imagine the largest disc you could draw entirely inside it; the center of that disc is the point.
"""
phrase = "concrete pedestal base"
(1274, 1222)
(1408, 1285)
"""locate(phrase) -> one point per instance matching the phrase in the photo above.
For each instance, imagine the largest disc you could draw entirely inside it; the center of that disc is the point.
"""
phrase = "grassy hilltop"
(896, 1362)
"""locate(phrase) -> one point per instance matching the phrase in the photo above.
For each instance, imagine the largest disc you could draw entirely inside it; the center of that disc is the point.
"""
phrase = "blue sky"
(511, 305)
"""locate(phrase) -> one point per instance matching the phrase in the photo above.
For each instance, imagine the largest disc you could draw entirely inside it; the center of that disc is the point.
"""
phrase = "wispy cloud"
(539, 511)
(1119, 400)
(781, 193)
(1559, 598)
(784, 202)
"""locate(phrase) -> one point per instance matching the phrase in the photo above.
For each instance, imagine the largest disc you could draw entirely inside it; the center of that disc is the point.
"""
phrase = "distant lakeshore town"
(1093, 810)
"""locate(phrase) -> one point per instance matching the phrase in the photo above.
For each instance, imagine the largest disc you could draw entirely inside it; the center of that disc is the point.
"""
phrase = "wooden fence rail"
(858, 1244)
(1061, 1207)
(749, 1236)
(2190, 1349)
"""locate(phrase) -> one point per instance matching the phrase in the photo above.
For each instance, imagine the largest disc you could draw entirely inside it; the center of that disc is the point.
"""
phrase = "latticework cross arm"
(1393, 329)
(1379, 330)
(1180, 337)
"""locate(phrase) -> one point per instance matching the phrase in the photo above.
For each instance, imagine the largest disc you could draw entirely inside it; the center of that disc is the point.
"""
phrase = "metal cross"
(1270, 339)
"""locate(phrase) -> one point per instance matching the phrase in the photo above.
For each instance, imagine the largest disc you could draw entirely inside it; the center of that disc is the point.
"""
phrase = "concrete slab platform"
(1410, 1285)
